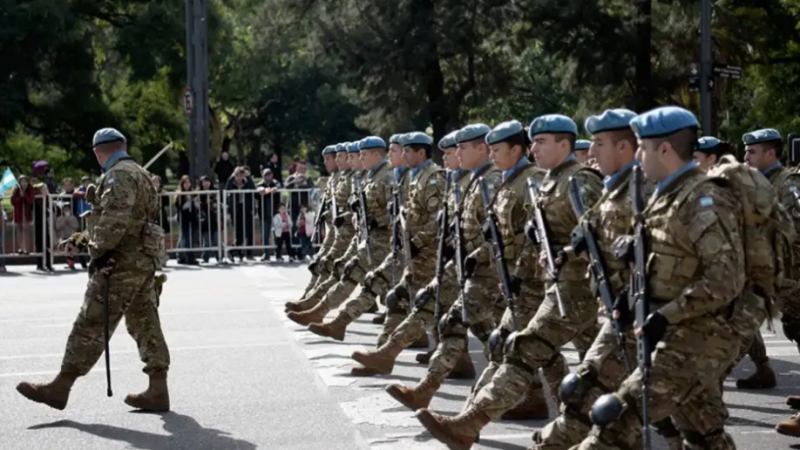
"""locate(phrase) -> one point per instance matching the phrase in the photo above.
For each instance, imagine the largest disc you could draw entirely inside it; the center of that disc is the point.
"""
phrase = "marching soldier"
(763, 152)
(332, 262)
(423, 202)
(582, 154)
(126, 247)
(538, 345)
(694, 276)
(372, 243)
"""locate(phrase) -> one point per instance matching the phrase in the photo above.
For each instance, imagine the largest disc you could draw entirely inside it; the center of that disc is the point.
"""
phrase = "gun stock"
(543, 236)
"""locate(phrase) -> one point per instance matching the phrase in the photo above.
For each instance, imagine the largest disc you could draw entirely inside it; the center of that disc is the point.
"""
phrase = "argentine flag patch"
(706, 201)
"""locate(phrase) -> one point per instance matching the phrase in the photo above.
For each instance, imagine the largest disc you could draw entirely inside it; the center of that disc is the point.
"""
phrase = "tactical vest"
(378, 192)
(342, 190)
(473, 212)
(509, 205)
(417, 216)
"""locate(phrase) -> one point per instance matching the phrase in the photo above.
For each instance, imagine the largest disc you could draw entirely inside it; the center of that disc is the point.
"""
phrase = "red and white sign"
(188, 101)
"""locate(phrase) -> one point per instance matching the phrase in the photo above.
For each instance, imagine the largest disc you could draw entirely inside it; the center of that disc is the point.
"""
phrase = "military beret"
(504, 131)
(329, 150)
(395, 139)
(663, 121)
(610, 120)
(759, 136)
(415, 138)
(449, 141)
(342, 147)
(371, 143)
(352, 147)
(472, 132)
(582, 144)
(552, 124)
(706, 143)
(106, 135)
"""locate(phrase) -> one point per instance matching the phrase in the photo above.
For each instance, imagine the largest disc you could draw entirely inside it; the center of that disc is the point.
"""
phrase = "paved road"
(244, 377)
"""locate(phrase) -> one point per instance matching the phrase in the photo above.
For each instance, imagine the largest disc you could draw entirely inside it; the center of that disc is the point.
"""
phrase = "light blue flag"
(8, 181)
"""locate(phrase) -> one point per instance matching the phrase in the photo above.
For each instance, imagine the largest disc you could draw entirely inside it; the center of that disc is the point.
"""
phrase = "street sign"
(188, 101)
(726, 71)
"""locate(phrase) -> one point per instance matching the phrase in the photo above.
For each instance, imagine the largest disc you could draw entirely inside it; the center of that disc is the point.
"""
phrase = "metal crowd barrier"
(207, 224)
(25, 237)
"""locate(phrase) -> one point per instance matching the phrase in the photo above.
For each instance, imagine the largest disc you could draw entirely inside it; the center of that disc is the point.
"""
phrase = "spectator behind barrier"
(240, 210)
(209, 224)
(188, 207)
(22, 199)
(266, 205)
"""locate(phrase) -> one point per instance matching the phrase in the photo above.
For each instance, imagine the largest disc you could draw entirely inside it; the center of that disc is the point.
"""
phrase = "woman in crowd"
(22, 198)
(282, 228)
(188, 206)
(209, 227)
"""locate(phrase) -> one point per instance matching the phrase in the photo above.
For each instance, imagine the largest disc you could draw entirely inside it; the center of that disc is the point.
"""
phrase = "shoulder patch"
(434, 181)
(793, 188)
(110, 180)
(706, 201)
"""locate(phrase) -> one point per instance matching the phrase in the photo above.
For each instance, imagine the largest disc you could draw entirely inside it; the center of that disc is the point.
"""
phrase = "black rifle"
(543, 236)
(107, 336)
(638, 295)
(397, 226)
(324, 206)
(498, 251)
(444, 224)
(458, 242)
(796, 195)
(597, 266)
(363, 223)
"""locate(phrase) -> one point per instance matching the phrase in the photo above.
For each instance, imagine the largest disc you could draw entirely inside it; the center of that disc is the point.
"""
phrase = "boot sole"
(786, 432)
(433, 428)
(397, 394)
(319, 332)
(133, 404)
(757, 387)
(363, 372)
(364, 360)
(32, 396)
(302, 321)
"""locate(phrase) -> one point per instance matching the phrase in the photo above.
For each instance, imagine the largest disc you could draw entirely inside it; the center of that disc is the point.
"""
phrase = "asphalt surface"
(244, 377)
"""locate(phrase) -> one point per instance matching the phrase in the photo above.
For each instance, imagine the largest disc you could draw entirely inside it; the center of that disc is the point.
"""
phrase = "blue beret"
(329, 150)
(352, 147)
(449, 141)
(706, 143)
(472, 132)
(341, 147)
(372, 143)
(610, 120)
(552, 124)
(395, 139)
(758, 136)
(582, 144)
(662, 122)
(106, 135)
(415, 138)
(504, 131)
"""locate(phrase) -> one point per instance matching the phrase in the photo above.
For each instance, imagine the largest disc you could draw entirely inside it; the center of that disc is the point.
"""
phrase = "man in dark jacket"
(267, 206)
(223, 168)
(240, 208)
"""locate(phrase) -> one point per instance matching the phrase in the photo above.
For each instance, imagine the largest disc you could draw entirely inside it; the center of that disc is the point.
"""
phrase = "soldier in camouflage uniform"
(604, 367)
(126, 247)
(695, 274)
(377, 189)
(327, 183)
(471, 158)
(424, 200)
(332, 262)
(538, 345)
(583, 155)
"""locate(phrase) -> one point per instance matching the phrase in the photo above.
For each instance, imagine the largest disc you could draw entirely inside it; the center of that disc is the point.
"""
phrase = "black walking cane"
(107, 337)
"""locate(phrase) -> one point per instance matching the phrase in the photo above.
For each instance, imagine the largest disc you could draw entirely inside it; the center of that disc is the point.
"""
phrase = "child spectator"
(66, 225)
(282, 228)
(305, 231)
(23, 198)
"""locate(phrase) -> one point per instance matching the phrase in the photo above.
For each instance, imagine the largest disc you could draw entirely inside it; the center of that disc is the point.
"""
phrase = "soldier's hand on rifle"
(654, 328)
(515, 285)
(413, 248)
(530, 231)
(469, 266)
(622, 310)
(373, 224)
(448, 252)
(312, 267)
(578, 242)
(338, 221)
(624, 249)
(354, 205)
(106, 265)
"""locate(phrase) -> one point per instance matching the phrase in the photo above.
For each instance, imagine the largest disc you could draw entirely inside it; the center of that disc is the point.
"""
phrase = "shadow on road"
(185, 433)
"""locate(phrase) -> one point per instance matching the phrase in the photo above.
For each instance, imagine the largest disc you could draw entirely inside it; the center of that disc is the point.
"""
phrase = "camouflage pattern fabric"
(122, 230)
(330, 236)
(697, 262)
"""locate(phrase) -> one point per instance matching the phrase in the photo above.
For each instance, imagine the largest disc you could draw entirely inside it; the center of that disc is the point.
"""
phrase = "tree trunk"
(643, 80)
(434, 79)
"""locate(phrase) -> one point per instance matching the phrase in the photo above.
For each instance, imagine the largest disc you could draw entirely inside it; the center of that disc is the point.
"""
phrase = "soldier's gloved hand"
(390, 208)
(654, 328)
(354, 205)
(515, 285)
(448, 252)
(105, 263)
(373, 224)
(469, 266)
(338, 221)
(312, 267)
(578, 240)
(414, 249)
(486, 230)
(530, 231)
(622, 310)
(623, 248)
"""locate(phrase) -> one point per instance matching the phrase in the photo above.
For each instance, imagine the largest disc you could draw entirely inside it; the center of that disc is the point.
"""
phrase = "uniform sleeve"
(383, 196)
(591, 187)
(714, 231)
(432, 201)
(116, 202)
(527, 264)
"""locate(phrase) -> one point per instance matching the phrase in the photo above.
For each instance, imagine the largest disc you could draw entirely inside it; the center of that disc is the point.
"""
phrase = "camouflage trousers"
(324, 250)
(747, 323)
(537, 346)
(358, 265)
(423, 315)
(131, 294)
(790, 319)
(334, 261)
(684, 385)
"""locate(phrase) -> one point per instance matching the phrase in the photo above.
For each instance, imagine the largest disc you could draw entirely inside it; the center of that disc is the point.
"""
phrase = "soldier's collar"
(610, 182)
(419, 168)
(768, 171)
(377, 167)
(667, 184)
(114, 159)
(567, 163)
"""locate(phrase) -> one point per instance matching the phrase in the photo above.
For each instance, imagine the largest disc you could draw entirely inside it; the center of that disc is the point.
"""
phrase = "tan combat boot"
(417, 397)
(361, 371)
(793, 401)
(304, 304)
(54, 394)
(422, 342)
(532, 407)
(459, 432)
(790, 427)
(334, 329)
(763, 378)
(464, 369)
(373, 309)
(381, 359)
(313, 315)
(379, 319)
(155, 398)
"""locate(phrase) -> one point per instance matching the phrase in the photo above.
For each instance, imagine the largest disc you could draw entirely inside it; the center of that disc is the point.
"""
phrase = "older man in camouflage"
(538, 345)
(126, 247)
(377, 193)
(695, 274)
(424, 201)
